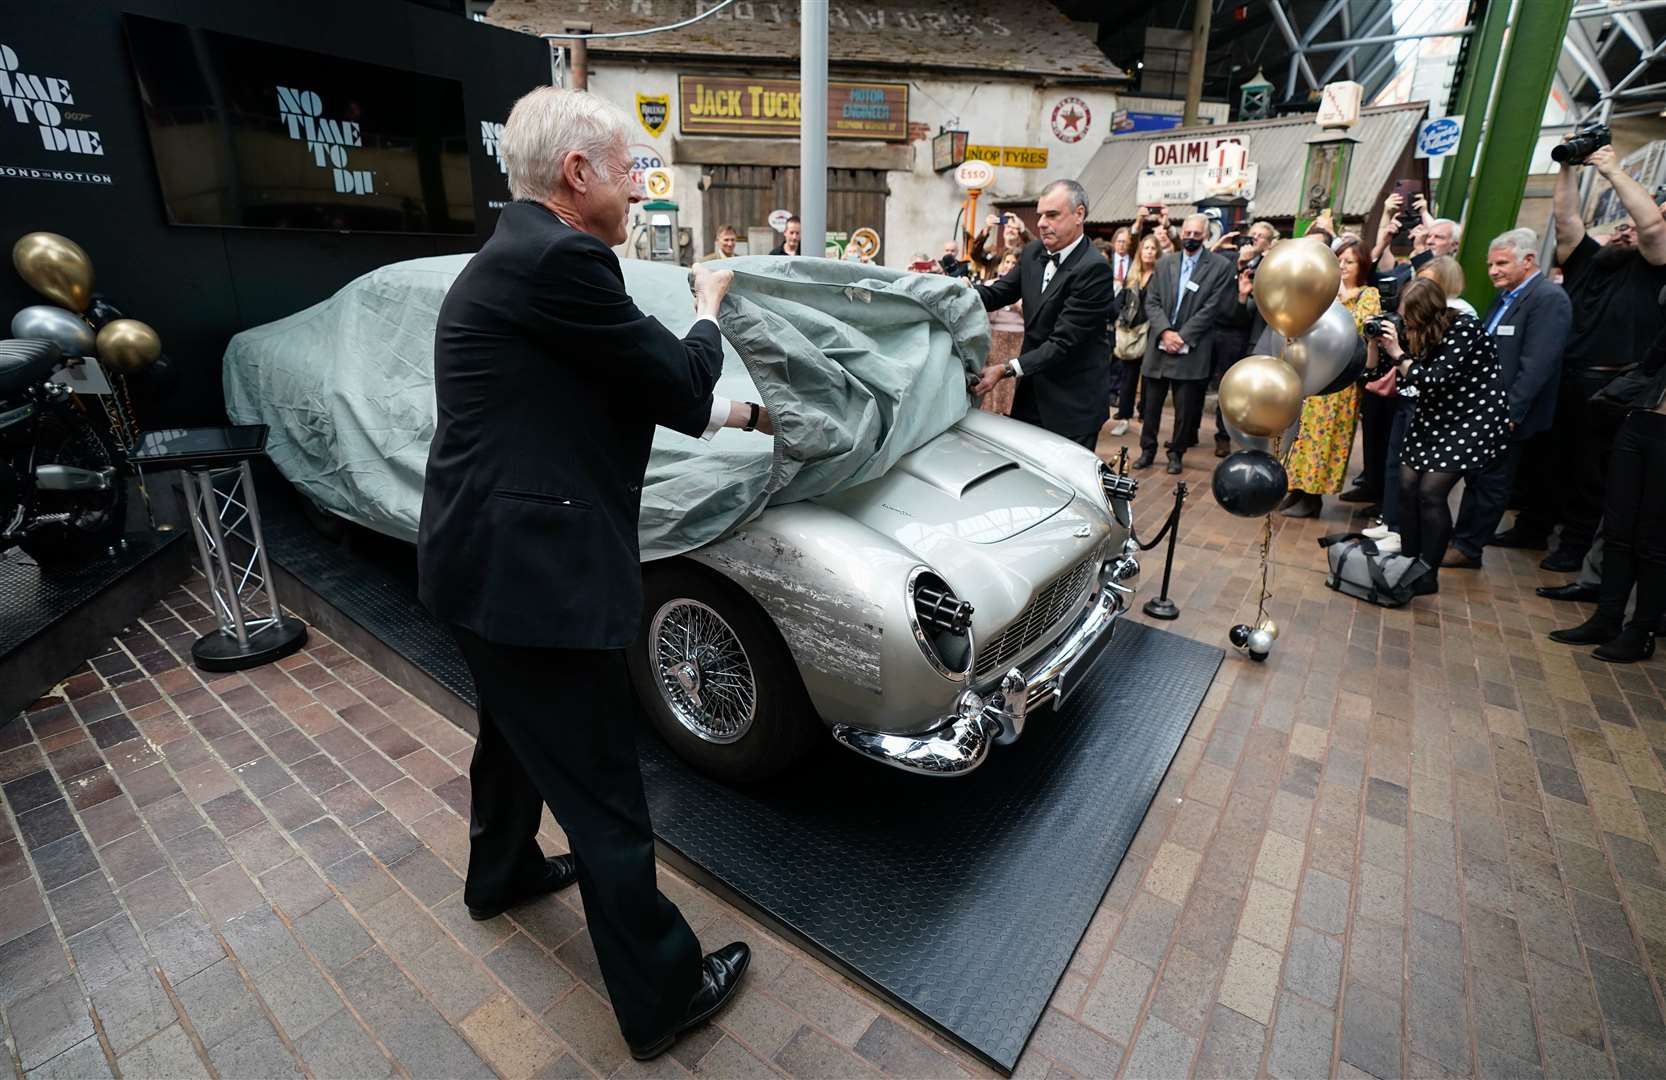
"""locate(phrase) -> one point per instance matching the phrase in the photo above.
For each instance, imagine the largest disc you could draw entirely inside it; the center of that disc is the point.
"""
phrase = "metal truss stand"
(251, 633)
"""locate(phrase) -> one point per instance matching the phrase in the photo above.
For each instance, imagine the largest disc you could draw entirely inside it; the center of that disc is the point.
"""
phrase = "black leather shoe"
(1561, 562)
(720, 974)
(1512, 538)
(1358, 494)
(559, 872)
(1593, 631)
(1174, 464)
(1573, 590)
(1633, 644)
(1146, 459)
(1223, 447)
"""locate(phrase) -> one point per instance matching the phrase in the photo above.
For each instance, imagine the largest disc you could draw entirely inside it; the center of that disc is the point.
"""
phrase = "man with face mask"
(1612, 288)
(1187, 294)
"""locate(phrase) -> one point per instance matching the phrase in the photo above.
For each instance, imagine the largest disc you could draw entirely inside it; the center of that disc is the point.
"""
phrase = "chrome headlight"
(942, 623)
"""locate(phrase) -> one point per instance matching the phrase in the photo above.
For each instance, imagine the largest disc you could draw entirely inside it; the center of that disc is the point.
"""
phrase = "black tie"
(1053, 257)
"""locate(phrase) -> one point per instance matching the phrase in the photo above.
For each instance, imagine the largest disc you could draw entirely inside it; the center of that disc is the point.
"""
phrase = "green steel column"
(1473, 95)
(1501, 170)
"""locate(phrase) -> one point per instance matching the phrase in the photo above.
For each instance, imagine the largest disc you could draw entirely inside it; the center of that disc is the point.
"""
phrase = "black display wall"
(198, 285)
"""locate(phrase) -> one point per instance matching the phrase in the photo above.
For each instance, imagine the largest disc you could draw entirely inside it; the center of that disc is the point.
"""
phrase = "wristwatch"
(752, 416)
(1010, 371)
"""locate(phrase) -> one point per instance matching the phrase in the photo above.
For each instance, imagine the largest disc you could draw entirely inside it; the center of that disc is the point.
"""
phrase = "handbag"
(1359, 570)
(1385, 384)
(1130, 342)
(1625, 390)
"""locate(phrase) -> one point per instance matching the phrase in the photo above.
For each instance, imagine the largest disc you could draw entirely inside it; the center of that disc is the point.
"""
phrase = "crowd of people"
(1549, 403)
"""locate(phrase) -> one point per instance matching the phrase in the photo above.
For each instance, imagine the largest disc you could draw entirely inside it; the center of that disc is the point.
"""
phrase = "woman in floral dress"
(1319, 459)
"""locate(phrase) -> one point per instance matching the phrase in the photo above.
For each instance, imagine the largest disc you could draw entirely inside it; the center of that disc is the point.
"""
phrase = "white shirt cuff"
(1017, 368)
(720, 416)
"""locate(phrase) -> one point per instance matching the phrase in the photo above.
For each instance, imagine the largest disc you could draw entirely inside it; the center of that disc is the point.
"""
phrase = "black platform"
(960, 900)
(51, 622)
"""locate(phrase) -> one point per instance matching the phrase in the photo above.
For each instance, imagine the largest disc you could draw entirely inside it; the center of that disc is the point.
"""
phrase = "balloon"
(56, 267)
(1321, 354)
(162, 374)
(101, 311)
(128, 345)
(1244, 441)
(1260, 642)
(1239, 636)
(1270, 627)
(1261, 395)
(47, 323)
(1249, 483)
(1295, 284)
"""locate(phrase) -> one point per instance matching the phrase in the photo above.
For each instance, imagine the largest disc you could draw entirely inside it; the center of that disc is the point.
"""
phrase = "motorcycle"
(62, 494)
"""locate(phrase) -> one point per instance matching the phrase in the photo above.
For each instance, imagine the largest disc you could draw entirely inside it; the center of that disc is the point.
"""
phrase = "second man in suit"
(1183, 302)
(1529, 322)
(1069, 300)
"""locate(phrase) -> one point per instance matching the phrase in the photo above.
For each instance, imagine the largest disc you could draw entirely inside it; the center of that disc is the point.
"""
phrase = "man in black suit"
(1069, 299)
(1529, 321)
(549, 382)
(1189, 289)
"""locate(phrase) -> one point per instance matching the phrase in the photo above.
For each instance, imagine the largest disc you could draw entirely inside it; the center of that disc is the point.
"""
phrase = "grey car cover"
(859, 365)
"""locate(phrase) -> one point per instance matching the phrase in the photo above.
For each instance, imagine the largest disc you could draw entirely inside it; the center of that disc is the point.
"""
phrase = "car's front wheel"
(716, 678)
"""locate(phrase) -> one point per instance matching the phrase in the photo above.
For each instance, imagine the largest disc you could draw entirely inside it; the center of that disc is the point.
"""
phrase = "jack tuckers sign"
(720, 105)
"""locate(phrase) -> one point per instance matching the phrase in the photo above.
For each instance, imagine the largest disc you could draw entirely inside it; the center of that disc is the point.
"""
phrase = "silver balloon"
(1260, 642)
(65, 329)
(1321, 354)
(1264, 443)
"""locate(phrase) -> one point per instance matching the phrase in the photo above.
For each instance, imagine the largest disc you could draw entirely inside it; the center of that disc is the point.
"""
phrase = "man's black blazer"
(1212, 286)
(548, 382)
(1066, 357)
(1530, 338)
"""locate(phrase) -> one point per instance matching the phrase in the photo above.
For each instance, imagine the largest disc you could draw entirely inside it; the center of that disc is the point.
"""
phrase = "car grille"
(1050, 605)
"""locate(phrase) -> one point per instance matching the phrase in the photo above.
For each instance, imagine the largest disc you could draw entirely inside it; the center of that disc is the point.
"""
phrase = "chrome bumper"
(978, 722)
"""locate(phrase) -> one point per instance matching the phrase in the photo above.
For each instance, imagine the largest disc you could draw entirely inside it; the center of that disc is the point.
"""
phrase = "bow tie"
(1054, 257)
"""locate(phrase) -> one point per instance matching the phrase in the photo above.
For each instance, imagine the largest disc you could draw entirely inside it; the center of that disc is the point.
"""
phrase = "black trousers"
(1486, 493)
(1024, 408)
(1376, 421)
(1231, 346)
(1587, 435)
(1634, 522)
(1128, 387)
(555, 728)
(1542, 456)
(1188, 412)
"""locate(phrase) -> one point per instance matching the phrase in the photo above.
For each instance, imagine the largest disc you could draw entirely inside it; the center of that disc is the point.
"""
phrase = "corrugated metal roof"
(1018, 37)
(1279, 149)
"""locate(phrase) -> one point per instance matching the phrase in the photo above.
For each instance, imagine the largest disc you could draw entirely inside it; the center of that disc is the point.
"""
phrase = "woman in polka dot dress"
(1450, 366)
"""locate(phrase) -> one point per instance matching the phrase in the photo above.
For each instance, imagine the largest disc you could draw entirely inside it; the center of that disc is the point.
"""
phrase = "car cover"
(858, 364)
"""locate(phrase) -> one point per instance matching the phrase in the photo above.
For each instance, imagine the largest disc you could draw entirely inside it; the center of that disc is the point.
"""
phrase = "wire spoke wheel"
(702, 671)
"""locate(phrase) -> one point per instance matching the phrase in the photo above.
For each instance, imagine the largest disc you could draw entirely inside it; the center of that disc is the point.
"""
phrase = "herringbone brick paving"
(1424, 842)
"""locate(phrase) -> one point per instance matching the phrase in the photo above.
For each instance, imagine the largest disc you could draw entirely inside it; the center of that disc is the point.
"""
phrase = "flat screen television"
(247, 134)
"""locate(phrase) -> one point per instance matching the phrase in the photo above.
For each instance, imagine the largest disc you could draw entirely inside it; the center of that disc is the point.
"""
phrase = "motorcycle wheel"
(64, 437)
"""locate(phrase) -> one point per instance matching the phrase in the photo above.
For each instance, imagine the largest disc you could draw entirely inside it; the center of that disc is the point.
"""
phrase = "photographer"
(1153, 220)
(1613, 290)
(1450, 366)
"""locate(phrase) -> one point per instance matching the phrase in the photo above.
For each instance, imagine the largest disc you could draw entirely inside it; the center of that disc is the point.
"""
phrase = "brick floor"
(1422, 842)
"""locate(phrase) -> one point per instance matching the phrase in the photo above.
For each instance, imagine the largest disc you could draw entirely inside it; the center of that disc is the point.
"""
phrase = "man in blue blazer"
(1529, 321)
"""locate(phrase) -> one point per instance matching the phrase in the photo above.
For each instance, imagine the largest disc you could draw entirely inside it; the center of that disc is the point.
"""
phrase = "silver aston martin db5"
(952, 578)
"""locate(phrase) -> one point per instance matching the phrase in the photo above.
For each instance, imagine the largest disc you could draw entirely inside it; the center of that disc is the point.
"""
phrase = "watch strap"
(751, 417)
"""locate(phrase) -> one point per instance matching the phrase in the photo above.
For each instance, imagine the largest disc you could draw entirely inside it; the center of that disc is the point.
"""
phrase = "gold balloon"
(128, 345)
(1295, 284)
(1271, 627)
(1261, 395)
(56, 267)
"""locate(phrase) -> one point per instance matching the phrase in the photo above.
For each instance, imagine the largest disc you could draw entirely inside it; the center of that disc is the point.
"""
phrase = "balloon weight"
(1321, 354)
(1249, 483)
(101, 311)
(56, 267)
(1261, 395)
(1295, 283)
(1239, 636)
(65, 329)
(128, 345)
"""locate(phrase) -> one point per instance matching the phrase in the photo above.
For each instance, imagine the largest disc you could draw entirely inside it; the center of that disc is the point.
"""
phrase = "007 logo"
(1071, 118)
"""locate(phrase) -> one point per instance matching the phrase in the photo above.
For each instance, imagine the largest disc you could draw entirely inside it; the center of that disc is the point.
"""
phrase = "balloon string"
(1266, 553)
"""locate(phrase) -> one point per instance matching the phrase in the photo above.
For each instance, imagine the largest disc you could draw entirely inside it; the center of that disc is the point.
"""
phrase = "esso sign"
(973, 173)
(643, 158)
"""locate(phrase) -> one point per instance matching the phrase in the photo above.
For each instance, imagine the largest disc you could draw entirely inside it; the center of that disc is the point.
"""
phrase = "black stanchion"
(1160, 606)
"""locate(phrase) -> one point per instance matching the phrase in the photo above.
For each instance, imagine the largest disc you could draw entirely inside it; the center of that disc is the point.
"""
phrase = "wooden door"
(744, 195)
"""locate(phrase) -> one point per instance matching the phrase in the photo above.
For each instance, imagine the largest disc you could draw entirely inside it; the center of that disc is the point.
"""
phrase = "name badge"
(1191, 286)
(1505, 331)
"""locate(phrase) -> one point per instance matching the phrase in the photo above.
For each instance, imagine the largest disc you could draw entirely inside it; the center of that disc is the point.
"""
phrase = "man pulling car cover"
(549, 382)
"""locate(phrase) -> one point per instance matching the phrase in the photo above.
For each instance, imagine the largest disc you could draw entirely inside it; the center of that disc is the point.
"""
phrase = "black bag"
(1358, 569)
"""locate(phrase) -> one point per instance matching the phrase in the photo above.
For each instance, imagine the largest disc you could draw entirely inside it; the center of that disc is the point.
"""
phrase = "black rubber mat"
(31, 601)
(960, 900)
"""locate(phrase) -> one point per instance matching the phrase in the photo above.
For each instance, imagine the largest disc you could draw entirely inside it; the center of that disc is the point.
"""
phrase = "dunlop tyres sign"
(721, 105)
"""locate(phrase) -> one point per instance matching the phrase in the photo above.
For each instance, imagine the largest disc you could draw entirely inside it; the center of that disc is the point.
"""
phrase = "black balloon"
(1250, 483)
(1239, 635)
(161, 374)
(101, 311)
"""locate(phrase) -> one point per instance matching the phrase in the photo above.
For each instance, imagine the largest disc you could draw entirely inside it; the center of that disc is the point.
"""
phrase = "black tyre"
(716, 679)
(97, 519)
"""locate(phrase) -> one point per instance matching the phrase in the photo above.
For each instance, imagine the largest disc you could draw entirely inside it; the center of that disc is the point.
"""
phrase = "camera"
(1376, 325)
(1581, 145)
